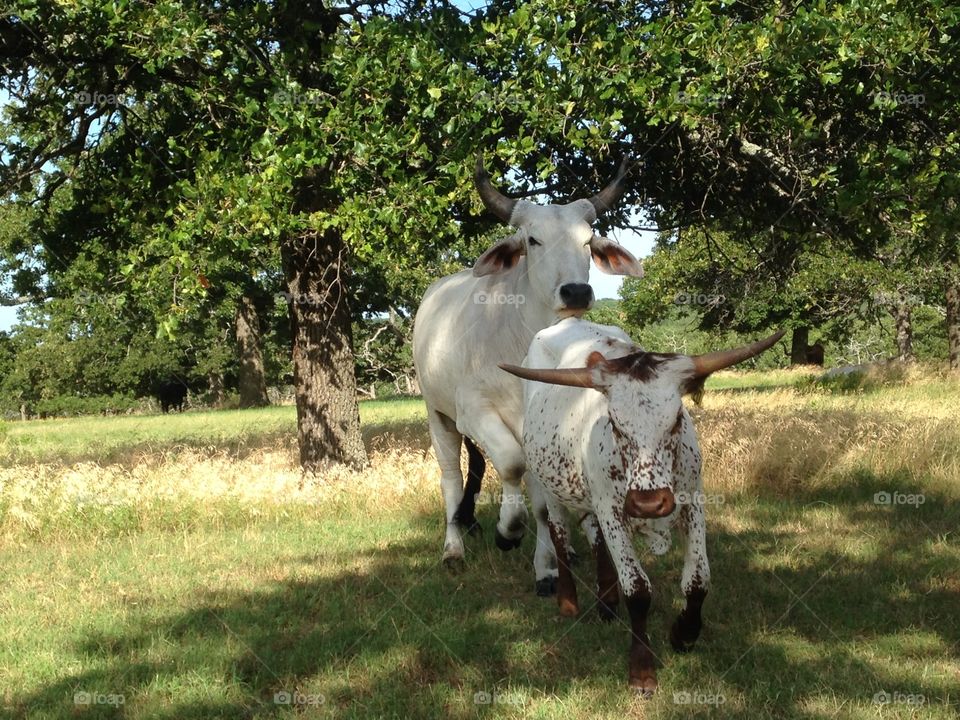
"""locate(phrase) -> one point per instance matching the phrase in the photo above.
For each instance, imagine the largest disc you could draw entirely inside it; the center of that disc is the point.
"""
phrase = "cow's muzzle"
(649, 503)
(576, 296)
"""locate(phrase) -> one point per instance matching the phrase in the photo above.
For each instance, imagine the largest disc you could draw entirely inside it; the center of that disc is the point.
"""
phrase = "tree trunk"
(251, 378)
(798, 345)
(902, 318)
(328, 417)
(953, 318)
(215, 388)
(24, 415)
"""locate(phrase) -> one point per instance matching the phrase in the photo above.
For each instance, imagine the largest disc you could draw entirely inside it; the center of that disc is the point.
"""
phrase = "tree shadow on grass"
(386, 632)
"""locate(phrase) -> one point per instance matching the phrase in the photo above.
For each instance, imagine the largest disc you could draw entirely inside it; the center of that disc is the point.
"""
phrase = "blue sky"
(8, 316)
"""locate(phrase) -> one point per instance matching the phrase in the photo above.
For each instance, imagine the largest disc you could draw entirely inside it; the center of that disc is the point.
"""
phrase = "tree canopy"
(189, 162)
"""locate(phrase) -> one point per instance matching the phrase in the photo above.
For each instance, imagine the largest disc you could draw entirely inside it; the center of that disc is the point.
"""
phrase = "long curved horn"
(611, 194)
(574, 377)
(495, 201)
(704, 365)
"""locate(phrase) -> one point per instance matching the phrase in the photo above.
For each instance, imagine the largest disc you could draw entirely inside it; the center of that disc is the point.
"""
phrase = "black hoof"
(572, 557)
(504, 543)
(546, 587)
(683, 635)
(608, 613)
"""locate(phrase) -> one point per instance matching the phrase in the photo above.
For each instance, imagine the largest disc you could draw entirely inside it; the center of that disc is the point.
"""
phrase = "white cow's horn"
(711, 362)
(611, 194)
(494, 200)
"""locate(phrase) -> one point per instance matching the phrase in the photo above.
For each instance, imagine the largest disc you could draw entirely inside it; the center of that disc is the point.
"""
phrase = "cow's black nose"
(576, 296)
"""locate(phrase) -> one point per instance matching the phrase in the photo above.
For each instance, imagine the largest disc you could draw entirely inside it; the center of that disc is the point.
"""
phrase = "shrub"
(70, 405)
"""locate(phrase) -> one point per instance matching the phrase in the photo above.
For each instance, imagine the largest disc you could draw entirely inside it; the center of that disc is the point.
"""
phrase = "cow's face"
(557, 242)
(644, 395)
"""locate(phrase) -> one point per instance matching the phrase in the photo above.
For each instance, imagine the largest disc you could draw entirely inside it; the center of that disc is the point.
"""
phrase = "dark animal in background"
(172, 394)
(815, 354)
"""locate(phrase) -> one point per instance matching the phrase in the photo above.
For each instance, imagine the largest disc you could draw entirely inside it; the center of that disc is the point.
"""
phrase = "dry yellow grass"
(764, 439)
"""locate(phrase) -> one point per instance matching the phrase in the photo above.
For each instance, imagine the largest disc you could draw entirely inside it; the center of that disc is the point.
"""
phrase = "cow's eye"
(532, 241)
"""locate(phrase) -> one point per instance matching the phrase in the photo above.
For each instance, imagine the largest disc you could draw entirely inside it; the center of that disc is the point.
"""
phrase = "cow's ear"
(614, 259)
(501, 257)
(600, 370)
(596, 359)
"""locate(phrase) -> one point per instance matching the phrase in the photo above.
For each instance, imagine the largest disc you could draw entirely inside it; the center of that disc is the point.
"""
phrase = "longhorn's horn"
(494, 200)
(611, 194)
(703, 365)
(574, 377)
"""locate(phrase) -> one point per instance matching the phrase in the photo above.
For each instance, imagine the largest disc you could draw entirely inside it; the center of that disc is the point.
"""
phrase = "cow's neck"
(534, 313)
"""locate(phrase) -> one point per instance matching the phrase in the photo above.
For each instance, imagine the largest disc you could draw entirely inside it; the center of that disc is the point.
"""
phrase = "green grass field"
(180, 567)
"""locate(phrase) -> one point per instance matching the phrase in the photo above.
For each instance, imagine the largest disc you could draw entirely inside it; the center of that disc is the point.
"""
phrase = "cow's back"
(465, 327)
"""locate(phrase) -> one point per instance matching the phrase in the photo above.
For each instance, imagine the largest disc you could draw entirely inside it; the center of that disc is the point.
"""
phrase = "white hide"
(473, 320)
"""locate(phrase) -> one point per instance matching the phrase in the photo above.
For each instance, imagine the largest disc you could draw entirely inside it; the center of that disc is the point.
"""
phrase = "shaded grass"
(210, 582)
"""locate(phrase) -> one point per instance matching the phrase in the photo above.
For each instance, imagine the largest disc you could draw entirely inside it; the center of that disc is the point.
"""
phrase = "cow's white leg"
(695, 580)
(480, 422)
(546, 510)
(608, 586)
(446, 443)
(636, 591)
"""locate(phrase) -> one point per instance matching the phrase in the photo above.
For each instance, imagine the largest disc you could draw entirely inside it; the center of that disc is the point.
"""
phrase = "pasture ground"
(180, 567)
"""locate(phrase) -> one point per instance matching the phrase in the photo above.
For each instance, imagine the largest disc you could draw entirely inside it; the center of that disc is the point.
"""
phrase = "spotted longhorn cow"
(607, 435)
(470, 321)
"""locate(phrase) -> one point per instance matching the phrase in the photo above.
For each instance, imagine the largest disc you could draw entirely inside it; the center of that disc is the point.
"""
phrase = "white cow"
(471, 321)
(615, 443)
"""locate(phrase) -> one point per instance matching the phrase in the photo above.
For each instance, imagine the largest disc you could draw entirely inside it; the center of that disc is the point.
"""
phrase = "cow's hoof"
(572, 557)
(608, 613)
(683, 635)
(568, 608)
(504, 543)
(546, 587)
(454, 563)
